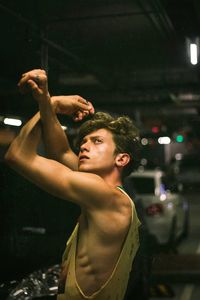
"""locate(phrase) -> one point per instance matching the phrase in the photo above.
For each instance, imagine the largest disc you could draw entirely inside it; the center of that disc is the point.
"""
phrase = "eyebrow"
(92, 137)
(96, 136)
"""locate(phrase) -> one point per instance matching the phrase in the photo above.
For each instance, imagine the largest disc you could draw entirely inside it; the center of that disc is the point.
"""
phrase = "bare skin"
(101, 237)
(89, 180)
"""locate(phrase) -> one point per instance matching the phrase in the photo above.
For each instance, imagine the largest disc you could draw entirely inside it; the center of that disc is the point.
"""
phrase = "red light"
(155, 129)
(154, 209)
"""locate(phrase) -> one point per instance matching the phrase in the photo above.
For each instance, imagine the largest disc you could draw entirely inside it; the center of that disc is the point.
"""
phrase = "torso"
(100, 240)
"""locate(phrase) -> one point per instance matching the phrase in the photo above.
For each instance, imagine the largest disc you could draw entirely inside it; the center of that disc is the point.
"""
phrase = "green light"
(179, 138)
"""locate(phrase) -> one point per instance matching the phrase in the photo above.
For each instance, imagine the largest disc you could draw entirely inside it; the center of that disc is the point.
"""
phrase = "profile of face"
(97, 153)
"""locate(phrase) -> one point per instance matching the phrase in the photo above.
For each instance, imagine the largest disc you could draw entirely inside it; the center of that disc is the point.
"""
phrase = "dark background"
(126, 57)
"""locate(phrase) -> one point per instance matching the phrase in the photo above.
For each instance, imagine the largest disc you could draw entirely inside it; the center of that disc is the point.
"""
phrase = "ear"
(122, 159)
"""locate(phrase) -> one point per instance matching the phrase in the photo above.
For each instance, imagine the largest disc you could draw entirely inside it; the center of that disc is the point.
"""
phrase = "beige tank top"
(115, 287)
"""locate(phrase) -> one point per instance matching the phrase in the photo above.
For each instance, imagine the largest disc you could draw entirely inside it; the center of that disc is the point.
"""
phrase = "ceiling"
(127, 56)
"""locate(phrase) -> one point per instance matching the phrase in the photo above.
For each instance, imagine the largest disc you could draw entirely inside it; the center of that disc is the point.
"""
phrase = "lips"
(82, 157)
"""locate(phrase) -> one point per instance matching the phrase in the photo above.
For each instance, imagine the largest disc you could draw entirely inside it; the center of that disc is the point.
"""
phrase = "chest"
(99, 245)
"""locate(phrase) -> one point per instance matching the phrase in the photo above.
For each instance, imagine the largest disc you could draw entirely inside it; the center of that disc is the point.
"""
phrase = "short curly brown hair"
(125, 134)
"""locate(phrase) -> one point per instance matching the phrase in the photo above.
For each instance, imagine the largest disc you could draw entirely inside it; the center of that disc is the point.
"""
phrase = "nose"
(84, 146)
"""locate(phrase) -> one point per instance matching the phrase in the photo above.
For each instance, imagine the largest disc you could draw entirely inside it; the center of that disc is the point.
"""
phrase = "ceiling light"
(193, 54)
(164, 140)
(12, 121)
(192, 48)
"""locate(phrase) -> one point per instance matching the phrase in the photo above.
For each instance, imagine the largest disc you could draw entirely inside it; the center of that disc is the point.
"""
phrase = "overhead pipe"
(164, 19)
(159, 22)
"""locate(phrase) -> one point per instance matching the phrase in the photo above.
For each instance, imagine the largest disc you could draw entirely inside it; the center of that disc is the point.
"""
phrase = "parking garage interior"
(133, 57)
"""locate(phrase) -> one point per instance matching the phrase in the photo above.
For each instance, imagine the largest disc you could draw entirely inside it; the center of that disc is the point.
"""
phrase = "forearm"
(55, 140)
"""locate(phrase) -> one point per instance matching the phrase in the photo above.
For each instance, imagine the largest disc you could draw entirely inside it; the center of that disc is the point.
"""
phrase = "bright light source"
(53, 288)
(179, 138)
(163, 197)
(155, 129)
(178, 156)
(13, 122)
(64, 127)
(164, 140)
(193, 54)
(144, 141)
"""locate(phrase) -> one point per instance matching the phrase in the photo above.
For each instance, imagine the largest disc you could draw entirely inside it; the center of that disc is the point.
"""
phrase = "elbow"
(10, 157)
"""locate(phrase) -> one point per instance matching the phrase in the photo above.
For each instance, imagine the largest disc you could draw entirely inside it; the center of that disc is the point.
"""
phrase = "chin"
(86, 169)
(83, 168)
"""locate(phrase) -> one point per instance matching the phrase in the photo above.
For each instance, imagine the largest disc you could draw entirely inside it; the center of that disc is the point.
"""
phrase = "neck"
(112, 179)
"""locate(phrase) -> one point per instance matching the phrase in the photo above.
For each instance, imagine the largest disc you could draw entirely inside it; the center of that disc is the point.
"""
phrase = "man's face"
(97, 153)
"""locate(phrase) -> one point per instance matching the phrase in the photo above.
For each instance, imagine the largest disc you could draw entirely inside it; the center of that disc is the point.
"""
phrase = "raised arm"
(88, 190)
(84, 189)
(55, 140)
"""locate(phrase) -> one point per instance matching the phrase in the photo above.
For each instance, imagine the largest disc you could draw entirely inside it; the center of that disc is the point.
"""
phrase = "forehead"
(104, 133)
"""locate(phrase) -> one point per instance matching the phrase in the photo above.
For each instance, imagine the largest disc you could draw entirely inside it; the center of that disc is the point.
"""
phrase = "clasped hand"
(36, 82)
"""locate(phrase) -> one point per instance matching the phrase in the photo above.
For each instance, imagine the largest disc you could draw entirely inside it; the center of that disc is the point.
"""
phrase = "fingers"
(80, 115)
(32, 84)
(28, 79)
(36, 82)
(91, 108)
(85, 108)
(85, 105)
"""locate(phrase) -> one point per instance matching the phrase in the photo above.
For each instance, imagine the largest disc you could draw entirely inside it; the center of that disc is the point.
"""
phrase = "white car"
(165, 213)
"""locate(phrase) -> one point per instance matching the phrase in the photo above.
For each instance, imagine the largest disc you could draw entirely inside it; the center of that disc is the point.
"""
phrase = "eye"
(98, 140)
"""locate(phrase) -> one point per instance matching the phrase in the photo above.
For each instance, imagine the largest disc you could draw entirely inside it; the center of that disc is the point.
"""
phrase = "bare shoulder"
(115, 217)
(119, 202)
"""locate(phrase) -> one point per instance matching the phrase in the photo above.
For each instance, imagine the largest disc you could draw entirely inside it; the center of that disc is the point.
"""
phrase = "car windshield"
(144, 185)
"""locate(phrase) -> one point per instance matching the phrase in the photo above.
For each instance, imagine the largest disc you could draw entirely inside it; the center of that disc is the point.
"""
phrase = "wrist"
(44, 102)
(54, 104)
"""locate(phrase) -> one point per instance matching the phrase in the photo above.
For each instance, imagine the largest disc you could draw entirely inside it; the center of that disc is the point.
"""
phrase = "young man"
(102, 247)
